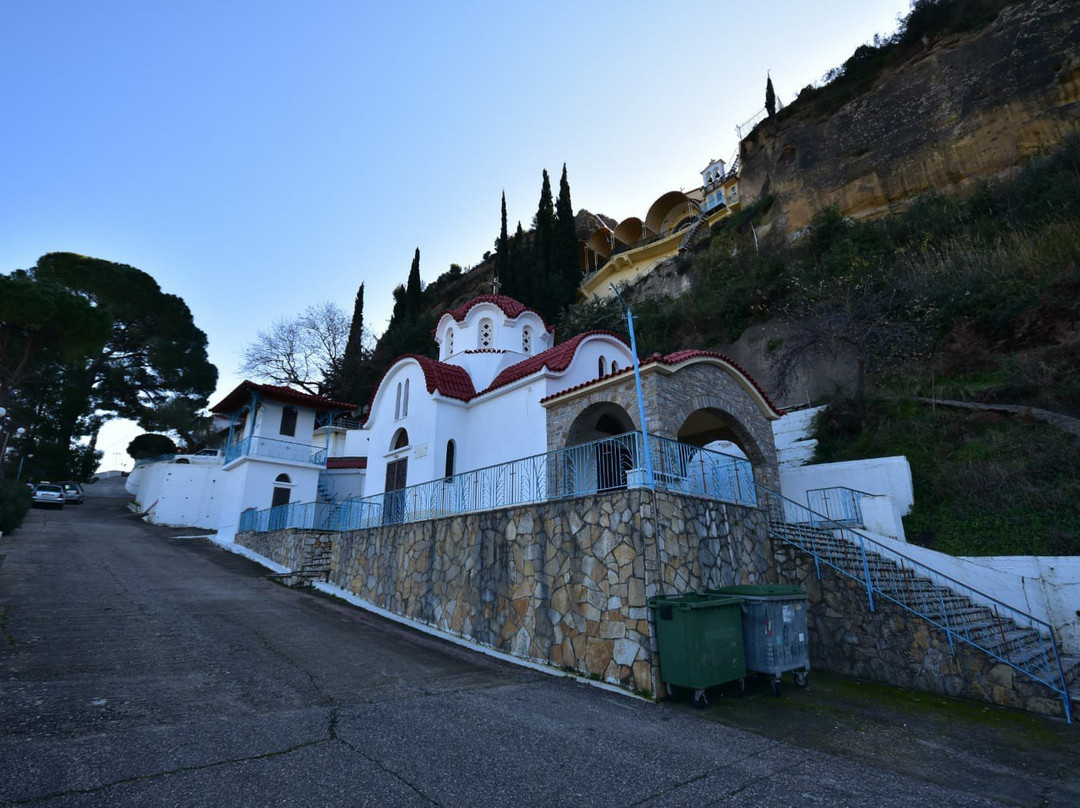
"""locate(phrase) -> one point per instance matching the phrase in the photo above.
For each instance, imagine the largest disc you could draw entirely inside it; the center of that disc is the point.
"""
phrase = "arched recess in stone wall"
(601, 465)
(703, 422)
(600, 420)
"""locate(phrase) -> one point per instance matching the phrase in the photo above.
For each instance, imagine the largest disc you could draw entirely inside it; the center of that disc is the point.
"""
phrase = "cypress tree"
(566, 246)
(542, 277)
(770, 97)
(413, 290)
(502, 249)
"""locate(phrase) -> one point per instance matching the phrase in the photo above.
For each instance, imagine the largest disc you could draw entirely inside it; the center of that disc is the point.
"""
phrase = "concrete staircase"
(967, 616)
(315, 568)
(697, 232)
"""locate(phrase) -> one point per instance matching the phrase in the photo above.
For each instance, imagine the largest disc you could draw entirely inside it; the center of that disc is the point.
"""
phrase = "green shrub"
(14, 503)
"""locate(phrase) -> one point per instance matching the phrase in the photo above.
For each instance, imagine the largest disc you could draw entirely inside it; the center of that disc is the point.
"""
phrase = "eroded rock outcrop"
(964, 107)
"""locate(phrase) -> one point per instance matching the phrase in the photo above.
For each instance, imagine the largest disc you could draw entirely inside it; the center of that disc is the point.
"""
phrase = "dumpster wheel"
(776, 687)
(699, 699)
(801, 678)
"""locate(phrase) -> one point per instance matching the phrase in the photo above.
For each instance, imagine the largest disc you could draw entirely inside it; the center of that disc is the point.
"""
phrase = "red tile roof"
(682, 356)
(510, 307)
(242, 395)
(555, 359)
(674, 359)
(450, 380)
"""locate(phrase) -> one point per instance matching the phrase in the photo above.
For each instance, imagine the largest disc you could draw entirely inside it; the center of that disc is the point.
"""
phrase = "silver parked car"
(72, 492)
(49, 494)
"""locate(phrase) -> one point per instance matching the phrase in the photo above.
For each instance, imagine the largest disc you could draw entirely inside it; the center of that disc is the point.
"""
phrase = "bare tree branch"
(302, 352)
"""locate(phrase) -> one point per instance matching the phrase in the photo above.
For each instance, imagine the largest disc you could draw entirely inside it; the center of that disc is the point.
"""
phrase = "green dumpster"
(700, 640)
(774, 629)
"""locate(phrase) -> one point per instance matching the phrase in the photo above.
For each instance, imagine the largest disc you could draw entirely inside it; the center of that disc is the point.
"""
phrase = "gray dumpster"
(774, 629)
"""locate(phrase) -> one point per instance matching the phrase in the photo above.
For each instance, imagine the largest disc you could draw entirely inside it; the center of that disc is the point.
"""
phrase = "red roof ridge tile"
(556, 359)
(510, 307)
(241, 394)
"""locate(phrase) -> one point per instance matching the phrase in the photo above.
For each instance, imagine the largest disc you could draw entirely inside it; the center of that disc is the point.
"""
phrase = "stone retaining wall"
(566, 583)
(894, 646)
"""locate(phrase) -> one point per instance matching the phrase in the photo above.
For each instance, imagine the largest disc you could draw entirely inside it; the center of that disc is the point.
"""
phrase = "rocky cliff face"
(965, 107)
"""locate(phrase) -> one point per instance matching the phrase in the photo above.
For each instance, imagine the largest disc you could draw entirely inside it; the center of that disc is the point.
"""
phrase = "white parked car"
(49, 494)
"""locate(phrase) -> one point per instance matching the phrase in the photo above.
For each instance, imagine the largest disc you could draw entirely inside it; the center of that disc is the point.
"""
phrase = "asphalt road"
(138, 668)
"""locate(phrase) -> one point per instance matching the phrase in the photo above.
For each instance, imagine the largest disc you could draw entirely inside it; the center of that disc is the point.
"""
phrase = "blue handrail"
(590, 468)
(923, 591)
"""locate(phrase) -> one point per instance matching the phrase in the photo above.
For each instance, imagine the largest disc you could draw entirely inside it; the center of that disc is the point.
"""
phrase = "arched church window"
(614, 366)
(526, 340)
(397, 403)
(400, 440)
(601, 366)
(449, 341)
(451, 451)
(405, 400)
(487, 334)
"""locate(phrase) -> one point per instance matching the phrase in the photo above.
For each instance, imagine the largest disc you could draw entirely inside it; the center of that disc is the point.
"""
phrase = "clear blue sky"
(257, 157)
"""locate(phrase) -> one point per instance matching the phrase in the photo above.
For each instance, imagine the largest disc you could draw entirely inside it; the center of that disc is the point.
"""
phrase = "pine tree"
(770, 97)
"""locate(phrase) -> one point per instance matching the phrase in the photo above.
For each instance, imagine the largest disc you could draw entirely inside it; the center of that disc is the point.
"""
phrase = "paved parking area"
(139, 668)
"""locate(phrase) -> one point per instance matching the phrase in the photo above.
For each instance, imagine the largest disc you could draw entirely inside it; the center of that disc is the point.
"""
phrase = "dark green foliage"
(151, 445)
(352, 381)
(14, 503)
(770, 97)
(985, 483)
(84, 335)
(502, 247)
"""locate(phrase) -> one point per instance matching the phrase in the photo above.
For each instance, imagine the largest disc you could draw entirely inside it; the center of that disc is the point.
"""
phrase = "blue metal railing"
(838, 504)
(1014, 637)
(255, 446)
(590, 468)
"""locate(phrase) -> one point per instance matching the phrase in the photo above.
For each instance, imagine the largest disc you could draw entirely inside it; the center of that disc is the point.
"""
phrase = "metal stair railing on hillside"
(1005, 633)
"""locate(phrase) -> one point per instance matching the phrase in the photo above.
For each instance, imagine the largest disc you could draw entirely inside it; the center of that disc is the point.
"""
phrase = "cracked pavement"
(139, 668)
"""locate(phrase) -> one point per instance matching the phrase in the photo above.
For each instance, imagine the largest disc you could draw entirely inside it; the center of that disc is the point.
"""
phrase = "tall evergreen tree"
(414, 289)
(770, 97)
(351, 382)
(565, 248)
(502, 248)
(541, 276)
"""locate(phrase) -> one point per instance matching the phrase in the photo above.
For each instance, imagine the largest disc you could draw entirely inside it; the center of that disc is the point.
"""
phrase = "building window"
(288, 421)
(449, 342)
(282, 491)
(614, 367)
(487, 334)
(405, 400)
(526, 340)
(451, 450)
(601, 366)
(397, 403)
(400, 440)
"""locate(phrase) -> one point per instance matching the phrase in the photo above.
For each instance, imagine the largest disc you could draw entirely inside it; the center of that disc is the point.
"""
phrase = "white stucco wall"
(890, 476)
(1046, 587)
(190, 495)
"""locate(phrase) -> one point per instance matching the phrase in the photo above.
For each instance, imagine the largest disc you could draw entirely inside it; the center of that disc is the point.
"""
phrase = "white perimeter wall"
(1047, 587)
(889, 476)
(188, 495)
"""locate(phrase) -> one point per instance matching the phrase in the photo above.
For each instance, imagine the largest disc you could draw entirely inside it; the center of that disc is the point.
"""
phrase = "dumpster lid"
(761, 591)
(694, 600)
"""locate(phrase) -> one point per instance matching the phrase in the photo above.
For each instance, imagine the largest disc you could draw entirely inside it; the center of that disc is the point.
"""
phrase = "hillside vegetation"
(973, 298)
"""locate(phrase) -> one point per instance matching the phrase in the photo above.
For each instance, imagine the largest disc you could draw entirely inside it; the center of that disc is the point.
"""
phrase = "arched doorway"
(600, 451)
(397, 474)
(715, 456)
